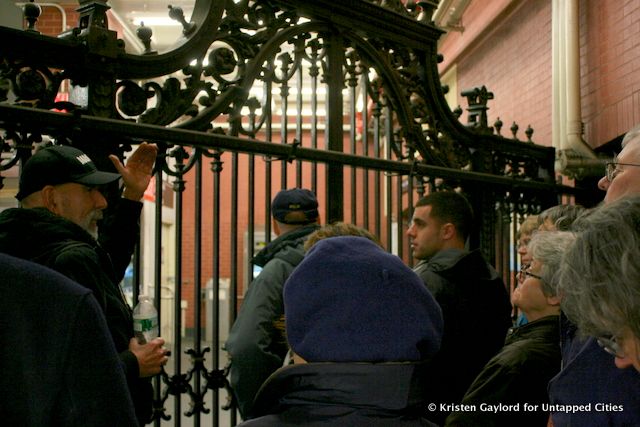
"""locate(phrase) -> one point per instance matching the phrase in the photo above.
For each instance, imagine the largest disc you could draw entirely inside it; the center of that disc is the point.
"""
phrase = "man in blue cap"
(255, 345)
(61, 203)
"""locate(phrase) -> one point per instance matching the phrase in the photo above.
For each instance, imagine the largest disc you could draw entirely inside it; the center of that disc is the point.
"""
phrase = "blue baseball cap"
(295, 200)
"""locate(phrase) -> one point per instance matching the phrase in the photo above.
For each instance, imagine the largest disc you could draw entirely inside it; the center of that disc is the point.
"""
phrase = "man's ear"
(49, 199)
(448, 231)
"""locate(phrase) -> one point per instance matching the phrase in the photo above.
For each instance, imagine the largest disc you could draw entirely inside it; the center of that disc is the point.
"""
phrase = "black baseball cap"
(60, 164)
(295, 200)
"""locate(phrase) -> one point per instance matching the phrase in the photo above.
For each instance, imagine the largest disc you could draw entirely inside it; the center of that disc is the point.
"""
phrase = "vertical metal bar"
(410, 202)
(365, 151)
(498, 237)
(233, 249)
(233, 243)
(505, 248)
(400, 235)
(389, 200)
(284, 127)
(137, 266)
(353, 107)
(410, 212)
(235, 271)
(267, 205)
(299, 106)
(179, 186)
(389, 133)
(251, 203)
(500, 244)
(335, 172)
(268, 169)
(216, 167)
(313, 72)
(197, 270)
(514, 254)
(376, 173)
(157, 270)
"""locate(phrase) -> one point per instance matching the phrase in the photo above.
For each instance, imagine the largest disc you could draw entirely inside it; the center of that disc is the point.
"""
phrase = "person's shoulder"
(592, 362)
(531, 351)
(69, 251)
(34, 277)
(291, 254)
(474, 262)
(446, 260)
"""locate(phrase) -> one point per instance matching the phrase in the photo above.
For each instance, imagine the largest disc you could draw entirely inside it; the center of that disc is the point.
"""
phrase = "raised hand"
(137, 172)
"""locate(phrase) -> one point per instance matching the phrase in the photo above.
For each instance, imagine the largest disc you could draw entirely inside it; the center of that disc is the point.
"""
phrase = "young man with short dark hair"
(474, 300)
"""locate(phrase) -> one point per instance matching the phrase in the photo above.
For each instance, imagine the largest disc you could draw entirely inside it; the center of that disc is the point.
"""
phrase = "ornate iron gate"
(340, 97)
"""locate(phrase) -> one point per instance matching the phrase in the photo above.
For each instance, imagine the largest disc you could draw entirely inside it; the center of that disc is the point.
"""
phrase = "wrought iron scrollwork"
(237, 62)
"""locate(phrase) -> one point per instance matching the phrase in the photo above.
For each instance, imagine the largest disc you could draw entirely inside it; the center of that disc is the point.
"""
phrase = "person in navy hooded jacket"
(362, 328)
(59, 365)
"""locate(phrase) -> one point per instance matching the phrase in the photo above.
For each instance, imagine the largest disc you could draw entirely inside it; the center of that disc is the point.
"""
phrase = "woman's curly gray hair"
(561, 216)
(600, 276)
(548, 247)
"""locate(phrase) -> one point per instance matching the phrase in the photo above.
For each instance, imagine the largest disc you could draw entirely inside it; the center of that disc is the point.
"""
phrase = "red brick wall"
(512, 57)
(610, 66)
(513, 60)
(50, 21)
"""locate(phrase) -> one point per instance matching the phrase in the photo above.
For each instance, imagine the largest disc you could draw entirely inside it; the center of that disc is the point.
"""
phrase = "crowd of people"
(561, 363)
(334, 330)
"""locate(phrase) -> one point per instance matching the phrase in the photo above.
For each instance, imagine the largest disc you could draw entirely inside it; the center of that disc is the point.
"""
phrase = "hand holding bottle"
(151, 356)
(146, 345)
(145, 320)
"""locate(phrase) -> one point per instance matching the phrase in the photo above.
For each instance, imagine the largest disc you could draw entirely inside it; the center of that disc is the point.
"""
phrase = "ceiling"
(154, 14)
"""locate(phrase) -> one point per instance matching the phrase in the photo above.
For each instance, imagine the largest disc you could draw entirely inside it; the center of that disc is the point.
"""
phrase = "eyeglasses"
(611, 346)
(524, 273)
(612, 168)
(535, 276)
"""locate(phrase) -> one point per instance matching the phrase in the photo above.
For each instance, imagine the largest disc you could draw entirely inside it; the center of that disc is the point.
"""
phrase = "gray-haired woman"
(600, 279)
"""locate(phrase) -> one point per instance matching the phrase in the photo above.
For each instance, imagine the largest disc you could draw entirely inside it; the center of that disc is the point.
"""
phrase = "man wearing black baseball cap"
(256, 346)
(57, 178)
(57, 226)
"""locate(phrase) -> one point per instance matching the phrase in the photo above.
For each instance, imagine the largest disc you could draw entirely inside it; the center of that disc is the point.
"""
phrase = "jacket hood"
(394, 387)
(455, 263)
(285, 241)
(27, 233)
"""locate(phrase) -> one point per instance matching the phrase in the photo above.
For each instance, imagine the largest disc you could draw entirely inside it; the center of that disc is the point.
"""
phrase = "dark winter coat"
(58, 362)
(343, 394)
(48, 239)
(256, 347)
(477, 314)
(590, 377)
(517, 375)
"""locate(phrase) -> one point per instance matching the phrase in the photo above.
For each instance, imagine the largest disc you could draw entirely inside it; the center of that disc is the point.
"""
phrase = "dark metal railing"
(342, 97)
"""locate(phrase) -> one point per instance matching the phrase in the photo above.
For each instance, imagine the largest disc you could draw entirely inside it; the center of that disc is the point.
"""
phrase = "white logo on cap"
(84, 159)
